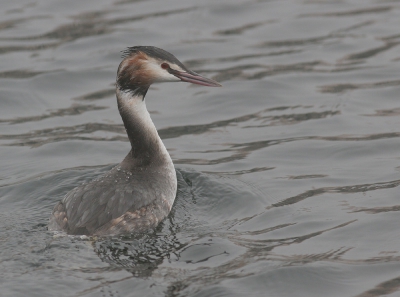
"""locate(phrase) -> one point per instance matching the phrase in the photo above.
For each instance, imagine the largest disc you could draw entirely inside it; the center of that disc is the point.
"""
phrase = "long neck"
(147, 147)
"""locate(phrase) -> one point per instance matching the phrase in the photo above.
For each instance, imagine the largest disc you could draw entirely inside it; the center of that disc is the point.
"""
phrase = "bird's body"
(138, 193)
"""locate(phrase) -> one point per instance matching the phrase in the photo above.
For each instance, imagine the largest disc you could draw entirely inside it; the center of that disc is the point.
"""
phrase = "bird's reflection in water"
(139, 254)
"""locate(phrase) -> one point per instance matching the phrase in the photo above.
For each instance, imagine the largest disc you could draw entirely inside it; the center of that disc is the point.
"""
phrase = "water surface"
(288, 176)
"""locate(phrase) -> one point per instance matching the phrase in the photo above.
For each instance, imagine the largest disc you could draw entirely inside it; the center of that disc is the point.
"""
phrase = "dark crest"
(154, 52)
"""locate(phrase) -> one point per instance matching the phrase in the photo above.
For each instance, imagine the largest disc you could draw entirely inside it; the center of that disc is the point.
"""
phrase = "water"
(288, 175)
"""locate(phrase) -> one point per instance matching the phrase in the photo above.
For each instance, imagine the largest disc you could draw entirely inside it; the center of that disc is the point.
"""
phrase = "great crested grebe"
(138, 193)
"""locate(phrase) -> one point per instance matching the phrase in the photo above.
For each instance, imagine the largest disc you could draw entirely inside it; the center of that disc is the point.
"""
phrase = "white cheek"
(161, 75)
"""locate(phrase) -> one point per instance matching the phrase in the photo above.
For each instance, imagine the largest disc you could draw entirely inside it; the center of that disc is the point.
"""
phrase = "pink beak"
(194, 78)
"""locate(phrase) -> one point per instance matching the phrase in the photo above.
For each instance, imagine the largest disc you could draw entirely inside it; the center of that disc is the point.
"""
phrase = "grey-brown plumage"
(121, 201)
(138, 193)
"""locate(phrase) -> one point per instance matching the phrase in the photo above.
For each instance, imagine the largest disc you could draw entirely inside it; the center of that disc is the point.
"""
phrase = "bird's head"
(144, 65)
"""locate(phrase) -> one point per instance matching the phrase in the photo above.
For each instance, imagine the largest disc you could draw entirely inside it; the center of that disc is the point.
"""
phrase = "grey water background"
(288, 175)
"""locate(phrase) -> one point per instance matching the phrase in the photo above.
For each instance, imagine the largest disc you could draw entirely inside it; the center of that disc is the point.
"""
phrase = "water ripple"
(340, 189)
(96, 95)
(340, 88)
(177, 131)
(236, 58)
(241, 29)
(369, 53)
(38, 138)
(386, 112)
(270, 244)
(74, 109)
(383, 289)
(371, 10)
(21, 73)
(375, 210)
(84, 25)
(18, 21)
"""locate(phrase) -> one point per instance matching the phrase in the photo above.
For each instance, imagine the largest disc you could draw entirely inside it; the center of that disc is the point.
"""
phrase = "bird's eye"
(164, 66)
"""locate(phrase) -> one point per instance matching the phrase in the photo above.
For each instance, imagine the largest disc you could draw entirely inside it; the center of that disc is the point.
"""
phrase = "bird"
(137, 194)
